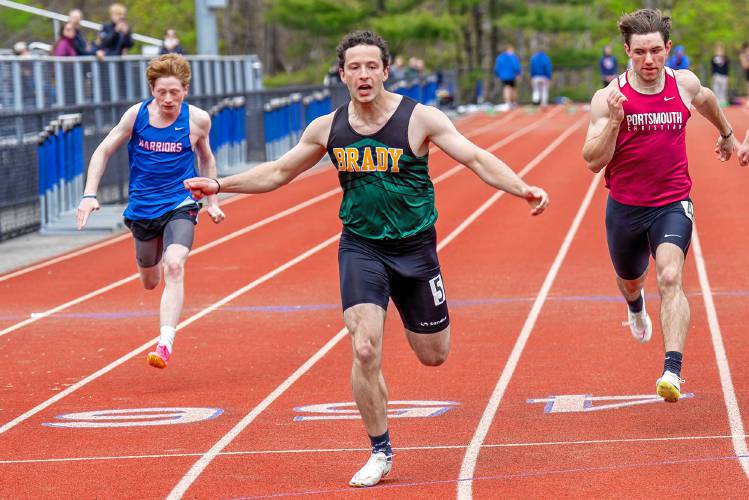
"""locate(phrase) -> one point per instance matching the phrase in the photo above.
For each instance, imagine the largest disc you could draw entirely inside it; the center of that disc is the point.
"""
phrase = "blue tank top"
(160, 159)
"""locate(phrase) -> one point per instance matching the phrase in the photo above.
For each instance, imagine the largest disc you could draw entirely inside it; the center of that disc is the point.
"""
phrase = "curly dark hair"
(643, 22)
(363, 38)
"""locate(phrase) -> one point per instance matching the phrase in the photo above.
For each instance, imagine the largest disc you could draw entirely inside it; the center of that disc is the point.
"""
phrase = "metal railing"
(247, 126)
(40, 82)
(60, 18)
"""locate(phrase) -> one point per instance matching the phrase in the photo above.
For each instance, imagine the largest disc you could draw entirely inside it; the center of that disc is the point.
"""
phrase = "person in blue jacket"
(540, 77)
(608, 66)
(678, 59)
(507, 69)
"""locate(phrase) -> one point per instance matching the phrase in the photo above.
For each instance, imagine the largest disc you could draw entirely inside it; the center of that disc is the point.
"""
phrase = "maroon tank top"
(649, 167)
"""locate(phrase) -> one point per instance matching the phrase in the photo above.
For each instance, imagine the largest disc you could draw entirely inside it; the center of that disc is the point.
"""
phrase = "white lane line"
(493, 125)
(726, 382)
(224, 202)
(36, 316)
(200, 314)
(468, 466)
(507, 140)
(110, 241)
(359, 450)
(40, 315)
(198, 467)
(299, 258)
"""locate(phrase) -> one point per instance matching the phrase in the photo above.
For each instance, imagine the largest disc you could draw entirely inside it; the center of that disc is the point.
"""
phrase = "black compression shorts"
(634, 233)
(372, 271)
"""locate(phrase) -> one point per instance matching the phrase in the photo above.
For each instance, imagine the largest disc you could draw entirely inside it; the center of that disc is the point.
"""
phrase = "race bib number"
(688, 209)
(438, 290)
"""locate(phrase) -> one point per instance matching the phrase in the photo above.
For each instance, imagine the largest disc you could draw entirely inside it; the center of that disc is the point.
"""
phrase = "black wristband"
(729, 134)
(88, 196)
(218, 184)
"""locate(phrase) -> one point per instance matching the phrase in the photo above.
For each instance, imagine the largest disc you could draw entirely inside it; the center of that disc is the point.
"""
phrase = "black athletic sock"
(382, 444)
(673, 362)
(636, 305)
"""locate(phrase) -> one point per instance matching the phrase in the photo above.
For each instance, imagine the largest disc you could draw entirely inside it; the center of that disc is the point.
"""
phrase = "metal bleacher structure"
(54, 111)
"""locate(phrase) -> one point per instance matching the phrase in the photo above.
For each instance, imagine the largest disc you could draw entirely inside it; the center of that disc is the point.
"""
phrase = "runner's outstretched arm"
(705, 102)
(271, 174)
(98, 164)
(490, 169)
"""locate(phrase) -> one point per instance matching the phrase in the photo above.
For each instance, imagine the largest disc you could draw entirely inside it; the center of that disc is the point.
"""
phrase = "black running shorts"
(152, 236)
(634, 233)
(372, 271)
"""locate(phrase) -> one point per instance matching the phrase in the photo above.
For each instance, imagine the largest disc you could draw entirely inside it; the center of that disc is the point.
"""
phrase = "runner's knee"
(433, 357)
(150, 277)
(669, 278)
(174, 269)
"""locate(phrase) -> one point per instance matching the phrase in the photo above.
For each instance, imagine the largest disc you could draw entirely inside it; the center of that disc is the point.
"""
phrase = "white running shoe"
(640, 324)
(375, 469)
(669, 386)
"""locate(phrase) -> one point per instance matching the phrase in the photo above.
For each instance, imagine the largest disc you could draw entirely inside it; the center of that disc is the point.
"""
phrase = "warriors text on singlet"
(649, 167)
(160, 159)
(387, 192)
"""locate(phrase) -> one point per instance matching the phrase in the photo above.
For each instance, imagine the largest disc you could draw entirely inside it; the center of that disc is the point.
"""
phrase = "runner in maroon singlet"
(637, 131)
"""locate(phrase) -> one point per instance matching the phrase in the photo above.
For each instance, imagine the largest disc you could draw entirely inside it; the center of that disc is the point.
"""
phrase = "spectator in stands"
(608, 66)
(507, 68)
(744, 57)
(21, 49)
(720, 65)
(82, 47)
(678, 59)
(171, 43)
(397, 71)
(413, 70)
(116, 35)
(332, 77)
(65, 44)
(540, 70)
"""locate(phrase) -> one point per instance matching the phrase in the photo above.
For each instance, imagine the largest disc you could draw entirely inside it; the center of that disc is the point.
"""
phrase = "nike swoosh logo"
(178, 128)
(670, 235)
(668, 98)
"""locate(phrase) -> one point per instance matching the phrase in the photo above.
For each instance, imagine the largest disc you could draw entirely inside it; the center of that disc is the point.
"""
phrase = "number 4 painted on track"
(575, 403)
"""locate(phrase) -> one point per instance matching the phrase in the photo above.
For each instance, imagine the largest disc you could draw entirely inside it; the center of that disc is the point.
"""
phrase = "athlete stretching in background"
(637, 131)
(164, 133)
(380, 144)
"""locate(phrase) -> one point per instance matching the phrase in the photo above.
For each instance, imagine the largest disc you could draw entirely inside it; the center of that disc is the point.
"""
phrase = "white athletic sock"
(167, 336)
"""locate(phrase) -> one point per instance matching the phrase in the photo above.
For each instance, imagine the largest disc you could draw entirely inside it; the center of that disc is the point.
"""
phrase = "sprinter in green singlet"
(379, 143)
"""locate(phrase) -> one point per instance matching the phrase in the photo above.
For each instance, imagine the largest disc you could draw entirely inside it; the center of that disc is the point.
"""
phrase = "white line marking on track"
(284, 213)
(535, 444)
(726, 382)
(142, 348)
(299, 258)
(198, 467)
(452, 171)
(61, 258)
(471, 456)
(225, 201)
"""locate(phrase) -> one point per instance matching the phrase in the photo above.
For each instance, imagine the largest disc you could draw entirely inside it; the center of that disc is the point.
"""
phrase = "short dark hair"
(643, 22)
(363, 38)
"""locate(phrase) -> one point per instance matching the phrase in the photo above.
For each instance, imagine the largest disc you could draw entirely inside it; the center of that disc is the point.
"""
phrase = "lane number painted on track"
(573, 403)
(134, 417)
(396, 409)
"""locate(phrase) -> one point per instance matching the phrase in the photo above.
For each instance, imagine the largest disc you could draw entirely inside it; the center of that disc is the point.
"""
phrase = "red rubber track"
(579, 347)
(236, 356)
(82, 345)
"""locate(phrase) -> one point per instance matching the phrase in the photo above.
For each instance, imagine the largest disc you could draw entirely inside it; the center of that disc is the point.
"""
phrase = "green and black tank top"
(387, 192)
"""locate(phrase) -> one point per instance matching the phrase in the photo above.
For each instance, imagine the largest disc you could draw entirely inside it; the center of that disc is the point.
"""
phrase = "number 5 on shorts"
(438, 290)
